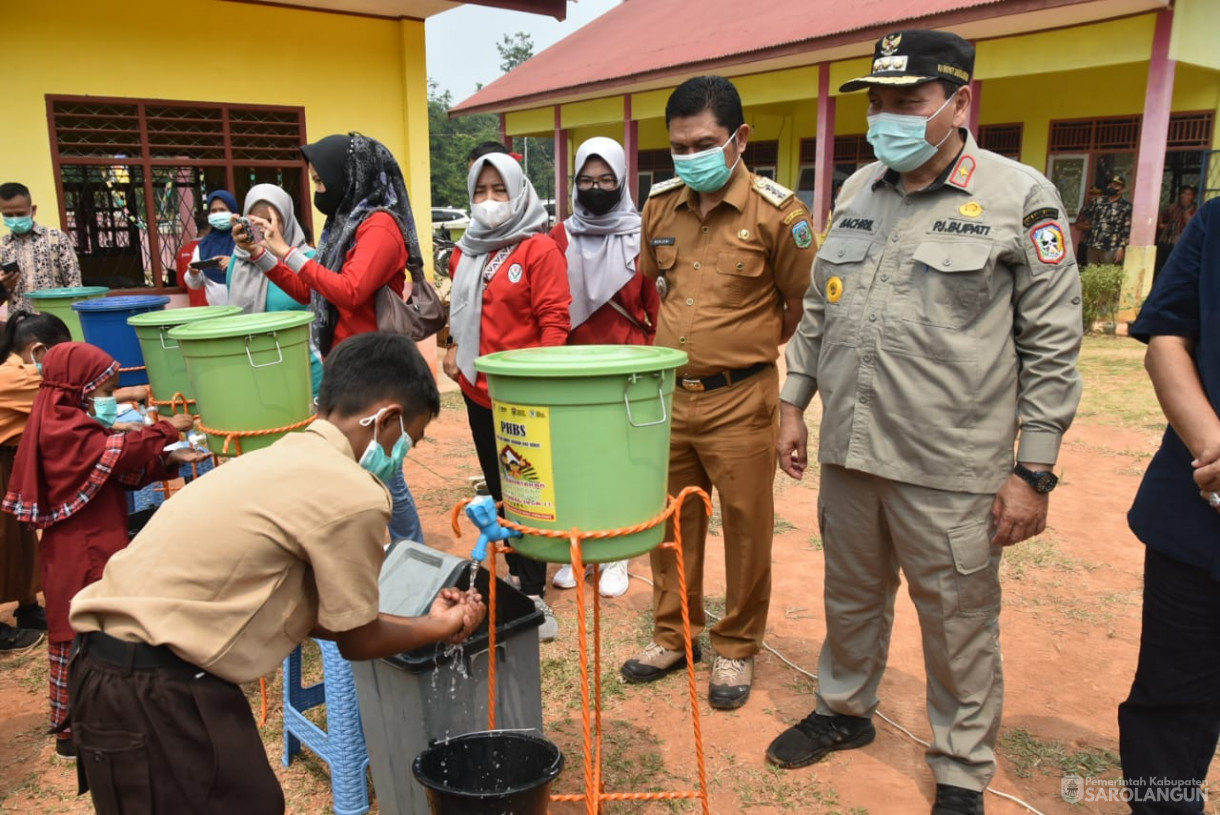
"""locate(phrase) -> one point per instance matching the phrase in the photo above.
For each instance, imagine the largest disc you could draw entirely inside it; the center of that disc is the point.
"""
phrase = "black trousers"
(1170, 723)
(532, 573)
(165, 737)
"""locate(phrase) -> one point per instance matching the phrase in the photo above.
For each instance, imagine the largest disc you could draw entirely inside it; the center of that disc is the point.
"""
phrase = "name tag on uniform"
(662, 241)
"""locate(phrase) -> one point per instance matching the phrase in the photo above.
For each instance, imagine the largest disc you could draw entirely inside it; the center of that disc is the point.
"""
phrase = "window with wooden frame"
(1004, 139)
(1084, 155)
(133, 176)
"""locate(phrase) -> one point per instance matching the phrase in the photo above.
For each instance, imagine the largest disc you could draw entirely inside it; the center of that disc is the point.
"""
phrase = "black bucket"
(498, 772)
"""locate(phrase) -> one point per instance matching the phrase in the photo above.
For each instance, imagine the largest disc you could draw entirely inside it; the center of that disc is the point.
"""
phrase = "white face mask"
(492, 214)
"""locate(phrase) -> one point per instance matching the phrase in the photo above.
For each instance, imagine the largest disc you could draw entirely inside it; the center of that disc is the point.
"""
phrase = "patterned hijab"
(66, 455)
(372, 182)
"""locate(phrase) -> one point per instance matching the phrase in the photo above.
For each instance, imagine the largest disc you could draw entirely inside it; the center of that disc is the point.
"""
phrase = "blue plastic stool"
(341, 745)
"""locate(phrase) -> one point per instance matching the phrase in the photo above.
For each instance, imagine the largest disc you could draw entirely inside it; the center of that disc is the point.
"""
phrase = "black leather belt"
(720, 380)
(130, 655)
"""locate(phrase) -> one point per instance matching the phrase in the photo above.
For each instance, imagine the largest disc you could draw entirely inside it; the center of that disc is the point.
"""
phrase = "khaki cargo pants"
(724, 438)
(871, 528)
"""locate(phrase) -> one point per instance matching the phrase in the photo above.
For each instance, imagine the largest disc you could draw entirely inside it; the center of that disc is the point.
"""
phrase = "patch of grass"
(815, 542)
(1028, 753)
(1041, 553)
(453, 401)
(782, 525)
(1116, 388)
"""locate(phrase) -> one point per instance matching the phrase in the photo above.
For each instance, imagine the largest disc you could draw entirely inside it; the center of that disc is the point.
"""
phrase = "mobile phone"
(10, 267)
(202, 265)
(251, 229)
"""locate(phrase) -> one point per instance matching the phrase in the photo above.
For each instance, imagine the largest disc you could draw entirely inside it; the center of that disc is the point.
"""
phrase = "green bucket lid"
(581, 360)
(241, 325)
(181, 316)
(68, 291)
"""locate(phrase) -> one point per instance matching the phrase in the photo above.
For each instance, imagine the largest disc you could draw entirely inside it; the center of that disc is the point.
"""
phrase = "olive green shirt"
(940, 323)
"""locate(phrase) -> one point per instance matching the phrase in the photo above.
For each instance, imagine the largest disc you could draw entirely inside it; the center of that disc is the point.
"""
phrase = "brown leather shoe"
(731, 681)
(655, 662)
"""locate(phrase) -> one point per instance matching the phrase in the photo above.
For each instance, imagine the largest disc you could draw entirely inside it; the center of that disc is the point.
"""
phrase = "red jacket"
(525, 305)
(606, 326)
(378, 258)
(196, 297)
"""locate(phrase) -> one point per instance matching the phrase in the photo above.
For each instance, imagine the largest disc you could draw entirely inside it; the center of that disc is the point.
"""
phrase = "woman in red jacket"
(612, 303)
(510, 290)
(368, 240)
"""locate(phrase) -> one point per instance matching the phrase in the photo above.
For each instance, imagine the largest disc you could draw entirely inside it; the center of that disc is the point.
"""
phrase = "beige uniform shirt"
(939, 323)
(727, 275)
(235, 570)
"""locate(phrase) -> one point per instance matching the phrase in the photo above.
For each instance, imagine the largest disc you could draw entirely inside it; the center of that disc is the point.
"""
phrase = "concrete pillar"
(561, 168)
(823, 186)
(631, 146)
(1150, 160)
(976, 104)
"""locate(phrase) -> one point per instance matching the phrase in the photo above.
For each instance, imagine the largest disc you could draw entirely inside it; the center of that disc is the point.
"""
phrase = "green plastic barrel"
(248, 372)
(582, 434)
(162, 356)
(59, 302)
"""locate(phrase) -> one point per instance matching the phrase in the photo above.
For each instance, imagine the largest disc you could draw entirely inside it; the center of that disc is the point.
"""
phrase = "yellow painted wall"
(593, 112)
(270, 55)
(1195, 23)
(1067, 49)
(535, 122)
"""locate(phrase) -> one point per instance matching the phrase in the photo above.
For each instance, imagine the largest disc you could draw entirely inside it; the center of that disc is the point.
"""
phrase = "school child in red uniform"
(69, 480)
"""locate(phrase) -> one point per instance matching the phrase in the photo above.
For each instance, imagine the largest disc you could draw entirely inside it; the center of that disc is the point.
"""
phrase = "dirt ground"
(1070, 628)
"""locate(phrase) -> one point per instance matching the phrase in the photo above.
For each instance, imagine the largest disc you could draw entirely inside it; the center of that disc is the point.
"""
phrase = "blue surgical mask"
(221, 220)
(375, 460)
(21, 225)
(105, 409)
(705, 171)
(901, 142)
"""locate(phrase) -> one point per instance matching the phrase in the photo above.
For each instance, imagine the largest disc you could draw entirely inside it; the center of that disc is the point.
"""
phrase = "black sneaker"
(952, 800)
(64, 748)
(33, 617)
(17, 640)
(813, 737)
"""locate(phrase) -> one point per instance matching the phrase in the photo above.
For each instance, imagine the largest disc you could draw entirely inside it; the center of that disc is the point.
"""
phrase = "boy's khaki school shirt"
(238, 567)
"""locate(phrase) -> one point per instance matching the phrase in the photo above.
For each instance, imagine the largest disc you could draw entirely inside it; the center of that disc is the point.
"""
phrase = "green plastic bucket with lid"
(59, 302)
(248, 372)
(582, 436)
(162, 356)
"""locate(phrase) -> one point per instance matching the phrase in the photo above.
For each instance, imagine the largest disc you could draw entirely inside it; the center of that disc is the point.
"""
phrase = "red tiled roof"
(641, 37)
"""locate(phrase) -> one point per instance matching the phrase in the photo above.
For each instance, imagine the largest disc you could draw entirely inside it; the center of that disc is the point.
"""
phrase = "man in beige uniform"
(731, 253)
(944, 316)
(231, 575)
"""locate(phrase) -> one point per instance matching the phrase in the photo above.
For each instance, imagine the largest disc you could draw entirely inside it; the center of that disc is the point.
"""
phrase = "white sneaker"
(564, 579)
(549, 629)
(614, 579)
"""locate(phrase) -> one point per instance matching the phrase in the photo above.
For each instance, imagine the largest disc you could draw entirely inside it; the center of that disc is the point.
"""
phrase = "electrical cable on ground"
(882, 716)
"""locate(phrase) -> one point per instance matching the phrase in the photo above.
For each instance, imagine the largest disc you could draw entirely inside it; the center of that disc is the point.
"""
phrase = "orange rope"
(234, 437)
(591, 719)
(176, 401)
(129, 370)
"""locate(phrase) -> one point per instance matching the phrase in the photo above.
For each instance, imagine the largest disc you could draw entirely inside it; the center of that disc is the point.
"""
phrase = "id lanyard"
(493, 265)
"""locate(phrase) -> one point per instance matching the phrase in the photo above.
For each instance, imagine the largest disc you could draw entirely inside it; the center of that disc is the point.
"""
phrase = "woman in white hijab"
(510, 290)
(249, 287)
(612, 303)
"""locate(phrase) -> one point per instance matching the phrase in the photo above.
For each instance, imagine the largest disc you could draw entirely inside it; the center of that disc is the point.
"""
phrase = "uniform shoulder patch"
(775, 193)
(1043, 214)
(1049, 243)
(662, 187)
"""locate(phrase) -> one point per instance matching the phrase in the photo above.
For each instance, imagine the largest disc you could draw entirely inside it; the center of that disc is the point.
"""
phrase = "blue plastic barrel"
(104, 322)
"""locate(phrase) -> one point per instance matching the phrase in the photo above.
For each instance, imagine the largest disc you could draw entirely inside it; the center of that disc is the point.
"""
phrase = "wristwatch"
(1043, 481)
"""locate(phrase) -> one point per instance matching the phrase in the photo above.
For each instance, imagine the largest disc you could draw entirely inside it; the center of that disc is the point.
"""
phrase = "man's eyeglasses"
(602, 182)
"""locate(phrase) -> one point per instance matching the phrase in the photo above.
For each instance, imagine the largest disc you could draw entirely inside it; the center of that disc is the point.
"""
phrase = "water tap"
(482, 513)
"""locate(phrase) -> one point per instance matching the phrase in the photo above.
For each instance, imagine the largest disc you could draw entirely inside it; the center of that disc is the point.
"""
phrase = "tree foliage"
(449, 142)
(515, 50)
(452, 139)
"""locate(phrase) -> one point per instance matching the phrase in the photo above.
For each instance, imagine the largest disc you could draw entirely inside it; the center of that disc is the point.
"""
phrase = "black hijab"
(367, 179)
